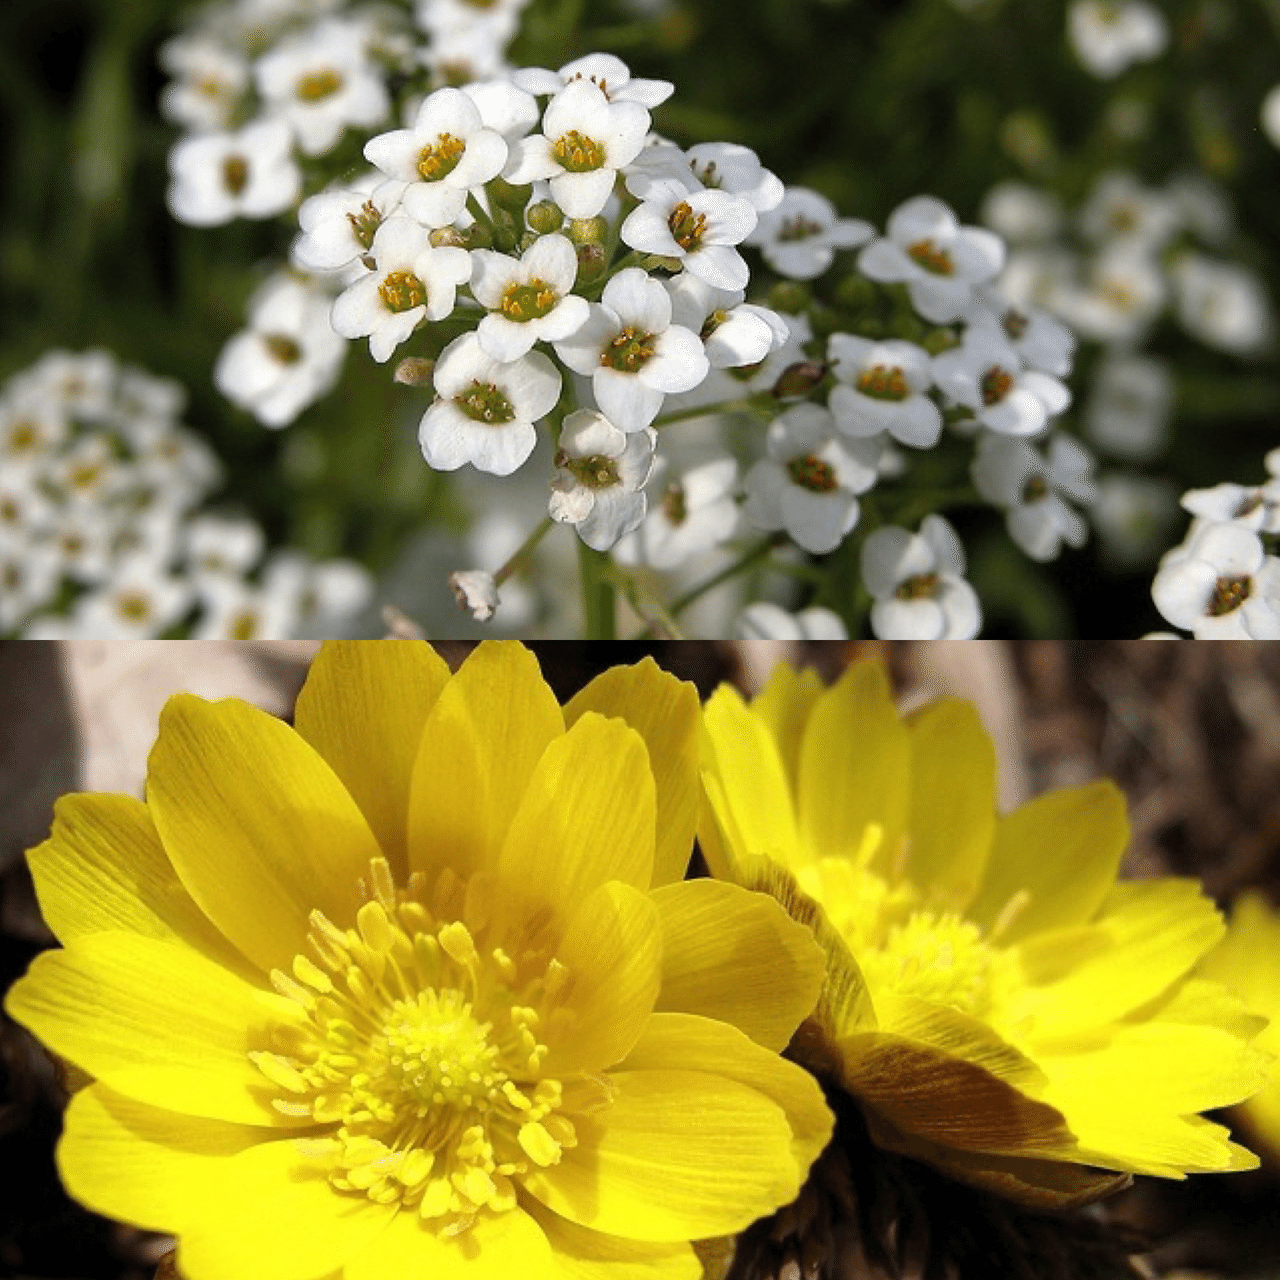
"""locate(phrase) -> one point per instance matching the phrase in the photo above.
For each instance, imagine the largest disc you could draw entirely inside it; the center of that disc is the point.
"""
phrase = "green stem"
(522, 552)
(702, 410)
(658, 620)
(744, 562)
(599, 605)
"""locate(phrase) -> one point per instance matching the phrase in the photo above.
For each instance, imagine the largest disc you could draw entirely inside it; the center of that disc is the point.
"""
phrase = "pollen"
(884, 382)
(577, 153)
(941, 958)
(932, 257)
(419, 1048)
(628, 351)
(812, 473)
(440, 158)
(531, 301)
(1228, 595)
(402, 291)
(485, 402)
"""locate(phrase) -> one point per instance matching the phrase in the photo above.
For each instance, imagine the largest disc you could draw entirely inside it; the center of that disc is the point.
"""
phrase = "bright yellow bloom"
(1001, 1007)
(416, 990)
(1248, 961)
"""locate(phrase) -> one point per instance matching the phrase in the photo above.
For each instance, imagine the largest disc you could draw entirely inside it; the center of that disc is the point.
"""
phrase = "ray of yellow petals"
(748, 769)
(612, 949)
(480, 746)
(952, 807)
(854, 770)
(103, 868)
(495, 1247)
(679, 1155)
(582, 1254)
(665, 712)
(1052, 861)
(179, 1030)
(586, 817)
(256, 824)
(784, 704)
(737, 956)
(363, 708)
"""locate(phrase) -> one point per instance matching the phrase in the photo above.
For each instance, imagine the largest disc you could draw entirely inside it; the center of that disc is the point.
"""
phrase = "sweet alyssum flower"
(882, 388)
(221, 176)
(799, 235)
(997, 1003)
(414, 988)
(599, 479)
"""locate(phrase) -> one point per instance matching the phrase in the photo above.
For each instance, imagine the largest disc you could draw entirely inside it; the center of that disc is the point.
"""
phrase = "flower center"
(282, 348)
(84, 475)
(924, 586)
(402, 291)
(530, 301)
(245, 627)
(940, 958)
(1035, 489)
(1228, 595)
(995, 384)
(595, 471)
(884, 382)
(675, 506)
(485, 402)
(134, 606)
(235, 174)
(441, 159)
(931, 257)
(576, 153)
(1123, 217)
(628, 351)
(24, 436)
(417, 1045)
(1014, 323)
(812, 473)
(1248, 505)
(318, 85)
(364, 224)
(708, 175)
(687, 227)
(798, 228)
(712, 323)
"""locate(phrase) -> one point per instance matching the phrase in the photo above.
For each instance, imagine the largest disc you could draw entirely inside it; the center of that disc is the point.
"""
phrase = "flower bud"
(591, 263)
(476, 592)
(545, 217)
(588, 230)
(415, 371)
(790, 296)
(855, 292)
(448, 237)
(799, 379)
(936, 341)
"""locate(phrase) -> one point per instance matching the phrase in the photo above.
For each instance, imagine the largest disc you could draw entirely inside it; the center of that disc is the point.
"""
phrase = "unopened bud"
(476, 592)
(415, 371)
(855, 292)
(588, 230)
(790, 296)
(591, 263)
(545, 217)
(447, 237)
(799, 379)
(507, 196)
(936, 341)
(908, 328)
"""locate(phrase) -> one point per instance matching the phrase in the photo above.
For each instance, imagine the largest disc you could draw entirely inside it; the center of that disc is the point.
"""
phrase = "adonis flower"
(1001, 1007)
(415, 988)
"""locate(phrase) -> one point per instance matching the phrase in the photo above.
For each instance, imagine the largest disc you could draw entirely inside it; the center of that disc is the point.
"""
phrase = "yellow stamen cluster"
(798, 228)
(931, 257)
(595, 471)
(1228, 595)
(441, 159)
(924, 586)
(423, 1048)
(318, 85)
(402, 291)
(995, 384)
(941, 958)
(628, 351)
(282, 348)
(812, 473)
(365, 224)
(530, 301)
(687, 227)
(235, 174)
(1035, 489)
(577, 153)
(884, 382)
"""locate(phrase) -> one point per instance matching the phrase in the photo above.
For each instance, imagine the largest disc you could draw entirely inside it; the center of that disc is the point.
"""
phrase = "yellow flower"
(1248, 961)
(1000, 1006)
(416, 989)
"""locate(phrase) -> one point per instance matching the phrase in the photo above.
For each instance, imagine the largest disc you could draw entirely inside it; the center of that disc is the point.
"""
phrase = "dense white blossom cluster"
(101, 529)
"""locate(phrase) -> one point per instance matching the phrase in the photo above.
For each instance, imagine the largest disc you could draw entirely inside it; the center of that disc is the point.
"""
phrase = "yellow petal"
(952, 811)
(586, 817)
(784, 704)
(701, 1044)
(103, 867)
(1059, 854)
(736, 956)
(665, 712)
(679, 1155)
(855, 770)
(612, 949)
(496, 1247)
(581, 1254)
(155, 1021)
(758, 817)
(256, 824)
(481, 743)
(363, 708)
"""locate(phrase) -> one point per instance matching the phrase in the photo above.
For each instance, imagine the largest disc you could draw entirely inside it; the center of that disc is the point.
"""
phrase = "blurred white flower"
(476, 592)
(1222, 304)
(799, 235)
(1220, 585)
(209, 80)
(1133, 516)
(695, 513)
(221, 176)
(765, 621)
(1129, 406)
(599, 478)
(986, 375)
(1021, 214)
(1108, 36)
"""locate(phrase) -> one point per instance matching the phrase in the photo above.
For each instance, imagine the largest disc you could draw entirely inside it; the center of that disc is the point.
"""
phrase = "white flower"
(1255, 507)
(632, 352)
(80, 384)
(29, 576)
(237, 610)
(699, 228)
(288, 357)
(1271, 115)
(31, 428)
(1021, 214)
(529, 299)
(448, 152)
(1130, 405)
(145, 404)
(320, 82)
(985, 374)
(1132, 515)
(496, 20)
(503, 107)
(1222, 304)
(221, 549)
(413, 281)
(696, 513)
(585, 140)
(89, 472)
(1109, 35)
(599, 478)
(608, 73)
(1121, 209)
(25, 507)
(486, 408)
(209, 79)
(1220, 585)
(1013, 475)
(321, 596)
(139, 600)
(338, 226)
(807, 482)
(734, 333)
(1041, 341)
(476, 592)
(221, 176)
(765, 621)
(939, 260)
(464, 54)
(799, 236)
(917, 582)
(1124, 292)
(82, 538)
(881, 388)
(726, 166)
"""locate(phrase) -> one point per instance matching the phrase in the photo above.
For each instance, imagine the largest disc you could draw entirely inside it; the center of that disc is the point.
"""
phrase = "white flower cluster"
(100, 533)
(1109, 36)
(1221, 582)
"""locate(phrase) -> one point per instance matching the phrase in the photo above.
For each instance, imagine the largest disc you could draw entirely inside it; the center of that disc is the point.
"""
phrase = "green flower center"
(441, 158)
(924, 586)
(931, 257)
(402, 291)
(532, 301)
(687, 227)
(1228, 595)
(282, 348)
(576, 153)
(1035, 489)
(674, 505)
(235, 174)
(1015, 324)
(812, 473)
(995, 384)
(485, 402)
(318, 85)
(364, 224)
(594, 471)
(884, 382)
(245, 627)
(629, 350)
(134, 606)
(798, 228)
